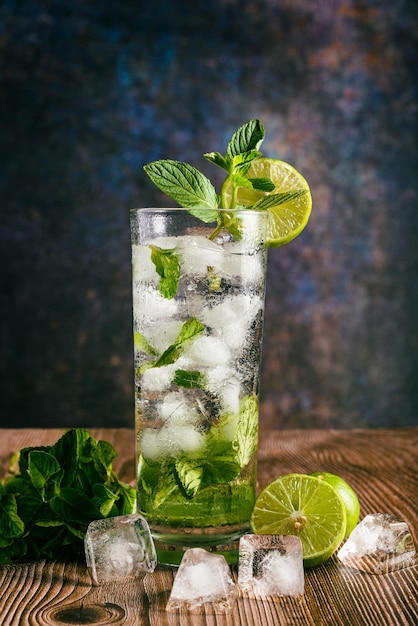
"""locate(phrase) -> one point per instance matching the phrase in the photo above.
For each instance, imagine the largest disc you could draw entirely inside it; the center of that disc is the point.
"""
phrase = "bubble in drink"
(380, 543)
(271, 565)
(119, 549)
(203, 578)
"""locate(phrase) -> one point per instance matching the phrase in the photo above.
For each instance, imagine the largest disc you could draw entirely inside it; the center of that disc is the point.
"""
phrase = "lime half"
(288, 219)
(348, 496)
(302, 505)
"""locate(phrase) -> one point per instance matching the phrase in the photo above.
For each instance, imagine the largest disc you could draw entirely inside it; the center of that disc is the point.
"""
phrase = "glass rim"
(187, 210)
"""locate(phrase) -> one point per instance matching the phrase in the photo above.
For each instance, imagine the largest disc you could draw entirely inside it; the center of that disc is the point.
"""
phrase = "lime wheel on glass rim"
(287, 219)
(302, 505)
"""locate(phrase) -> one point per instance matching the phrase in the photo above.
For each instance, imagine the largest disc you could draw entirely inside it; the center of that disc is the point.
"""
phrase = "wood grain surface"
(382, 465)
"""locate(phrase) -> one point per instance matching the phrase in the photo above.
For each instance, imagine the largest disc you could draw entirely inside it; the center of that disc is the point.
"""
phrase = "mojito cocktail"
(198, 294)
(198, 301)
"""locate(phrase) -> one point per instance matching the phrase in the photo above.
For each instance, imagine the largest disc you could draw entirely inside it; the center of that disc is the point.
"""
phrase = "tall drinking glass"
(198, 302)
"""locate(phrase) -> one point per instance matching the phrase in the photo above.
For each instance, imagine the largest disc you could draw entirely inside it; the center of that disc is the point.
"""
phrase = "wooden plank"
(382, 465)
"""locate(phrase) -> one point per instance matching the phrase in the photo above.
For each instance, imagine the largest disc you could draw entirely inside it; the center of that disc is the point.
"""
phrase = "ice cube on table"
(380, 543)
(271, 565)
(203, 578)
(119, 549)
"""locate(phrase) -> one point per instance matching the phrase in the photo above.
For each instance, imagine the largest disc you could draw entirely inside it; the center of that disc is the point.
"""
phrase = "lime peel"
(348, 495)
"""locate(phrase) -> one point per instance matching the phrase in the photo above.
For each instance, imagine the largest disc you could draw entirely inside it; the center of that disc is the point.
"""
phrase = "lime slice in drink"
(302, 505)
(348, 496)
(288, 219)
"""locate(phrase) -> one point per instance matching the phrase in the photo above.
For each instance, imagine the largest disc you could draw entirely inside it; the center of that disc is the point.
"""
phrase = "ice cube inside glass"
(380, 543)
(119, 549)
(271, 565)
(203, 578)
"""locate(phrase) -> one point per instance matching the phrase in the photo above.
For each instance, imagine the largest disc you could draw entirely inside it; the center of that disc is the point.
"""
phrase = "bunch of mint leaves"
(193, 190)
(46, 506)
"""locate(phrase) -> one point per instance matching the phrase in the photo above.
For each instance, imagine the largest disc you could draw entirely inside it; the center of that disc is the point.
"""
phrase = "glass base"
(171, 545)
(171, 556)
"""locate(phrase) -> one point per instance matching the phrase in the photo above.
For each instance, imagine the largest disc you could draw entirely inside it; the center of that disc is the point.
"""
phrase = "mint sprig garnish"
(193, 190)
(47, 504)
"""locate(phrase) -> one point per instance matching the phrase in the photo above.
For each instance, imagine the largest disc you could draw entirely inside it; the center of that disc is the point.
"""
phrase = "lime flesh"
(287, 220)
(302, 505)
(348, 495)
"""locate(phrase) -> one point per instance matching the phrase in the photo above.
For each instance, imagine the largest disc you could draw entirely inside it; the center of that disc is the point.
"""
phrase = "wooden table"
(382, 465)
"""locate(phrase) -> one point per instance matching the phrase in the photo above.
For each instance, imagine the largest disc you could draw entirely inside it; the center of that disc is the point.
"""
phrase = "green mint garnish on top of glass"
(252, 182)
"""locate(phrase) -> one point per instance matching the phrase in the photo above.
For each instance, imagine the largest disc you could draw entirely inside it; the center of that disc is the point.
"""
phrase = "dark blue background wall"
(90, 91)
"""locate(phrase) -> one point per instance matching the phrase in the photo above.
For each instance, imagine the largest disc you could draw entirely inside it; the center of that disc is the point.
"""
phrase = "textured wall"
(90, 91)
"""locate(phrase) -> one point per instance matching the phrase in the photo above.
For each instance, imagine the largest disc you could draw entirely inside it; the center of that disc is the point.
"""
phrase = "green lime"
(348, 495)
(287, 220)
(302, 505)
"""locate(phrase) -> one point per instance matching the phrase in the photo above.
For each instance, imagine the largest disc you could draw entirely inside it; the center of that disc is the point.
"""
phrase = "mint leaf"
(11, 524)
(166, 486)
(221, 465)
(68, 451)
(127, 498)
(217, 159)
(240, 181)
(190, 329)
(141, 344)
(183, 378)
(248, 137)
(262, 184)
(242, 162)
(182, 182)
(42, 466)
(104, 499)
(206, 215)
(246, 436)
(75, 506)
(190, 472)
(277, 199)
(104, 456)
(167, 264)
